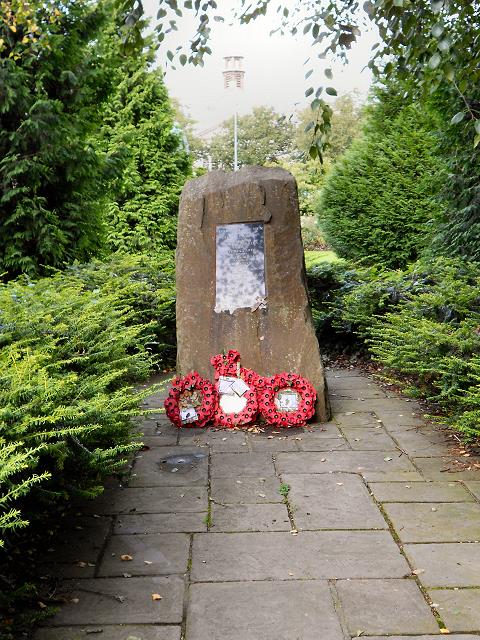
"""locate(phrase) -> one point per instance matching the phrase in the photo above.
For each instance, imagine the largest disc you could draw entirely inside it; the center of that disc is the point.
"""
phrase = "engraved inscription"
(240, 266)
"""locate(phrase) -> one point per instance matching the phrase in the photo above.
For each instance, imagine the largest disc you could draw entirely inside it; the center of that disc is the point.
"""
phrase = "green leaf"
(434, 61)
(309, 92)
(458, 117)
(308, 74)
(477, 126)
(437, 30)
(183, 59)
(328, 73)
(170, 55)
(476, 140)
(331, 91)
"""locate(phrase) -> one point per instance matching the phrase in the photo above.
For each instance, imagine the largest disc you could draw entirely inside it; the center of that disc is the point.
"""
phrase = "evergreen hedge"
(381, 196)
(422, 324)
(71, 347)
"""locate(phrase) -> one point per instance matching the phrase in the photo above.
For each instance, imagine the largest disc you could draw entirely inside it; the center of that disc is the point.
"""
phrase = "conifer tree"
(139, 124)
(380, 200)
(51, 178)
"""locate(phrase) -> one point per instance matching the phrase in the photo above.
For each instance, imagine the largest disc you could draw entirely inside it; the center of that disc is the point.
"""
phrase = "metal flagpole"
(235, 142)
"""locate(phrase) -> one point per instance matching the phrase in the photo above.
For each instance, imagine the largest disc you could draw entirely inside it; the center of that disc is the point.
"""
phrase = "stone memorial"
(241, 277)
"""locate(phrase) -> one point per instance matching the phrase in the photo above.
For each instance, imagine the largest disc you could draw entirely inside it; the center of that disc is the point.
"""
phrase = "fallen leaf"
(82, 564)
(127, 575)
(323, 460)
(262, 495)
(126, 558)
(339, 484)
(156, 596)
(95, 630)
(417, 572)
(444, 631)
(147, 562)
(388, 459)
(42, 605)
(349, 413)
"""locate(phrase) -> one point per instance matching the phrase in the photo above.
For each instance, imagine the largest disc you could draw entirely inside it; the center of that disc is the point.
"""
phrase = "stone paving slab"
(400, 420)
(244, 464)
(262, 610)
(321, 430)
(150, 500)
(368, 439)
(420, 492)
(444, 469)
(336, 501)
(121, 601)
(154, 469)
(459, 609)
(153, 554)
(360, 418)
(82, 541)
(349, 461)
(417, 445)
(117, 632)
(422, 637)
(250, 517)
(474, 487)
(161, 523)
(350, 382)
(384, 607)
(274, 443)
(231, 441)
(358, 393)
(375, 404)
(160, 440)
(435, 522)
(312, 443)
(308, 555)
(454, 564)
(246, 490)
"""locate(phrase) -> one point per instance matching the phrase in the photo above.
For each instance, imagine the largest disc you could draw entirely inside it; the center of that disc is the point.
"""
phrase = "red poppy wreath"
(236, 398)
(286, 400)
(190, 401)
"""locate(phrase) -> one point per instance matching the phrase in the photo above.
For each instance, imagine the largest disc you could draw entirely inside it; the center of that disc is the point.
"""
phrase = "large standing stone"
(241, 277)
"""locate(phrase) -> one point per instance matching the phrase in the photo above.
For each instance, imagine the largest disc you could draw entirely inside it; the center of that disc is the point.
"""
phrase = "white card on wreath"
(225, 385)
(240, 387)
(188, 414)
(287, 401)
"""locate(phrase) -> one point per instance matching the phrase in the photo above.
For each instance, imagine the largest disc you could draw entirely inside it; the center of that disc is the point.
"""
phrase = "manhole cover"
(183, 462)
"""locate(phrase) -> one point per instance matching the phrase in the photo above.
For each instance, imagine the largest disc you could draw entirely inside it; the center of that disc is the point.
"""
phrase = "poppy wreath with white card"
(236, 397)
(286, 400)
(191, 401)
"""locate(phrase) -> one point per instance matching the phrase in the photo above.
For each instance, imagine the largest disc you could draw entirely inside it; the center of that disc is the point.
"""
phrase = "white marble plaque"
(240, 266)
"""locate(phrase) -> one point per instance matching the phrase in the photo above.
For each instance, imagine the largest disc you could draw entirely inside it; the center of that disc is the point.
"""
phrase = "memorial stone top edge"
(220, 180)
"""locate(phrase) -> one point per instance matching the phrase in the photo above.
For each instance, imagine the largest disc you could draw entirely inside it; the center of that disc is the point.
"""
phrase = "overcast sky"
(274, 67)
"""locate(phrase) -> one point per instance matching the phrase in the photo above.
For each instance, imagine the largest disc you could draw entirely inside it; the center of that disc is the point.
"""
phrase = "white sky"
(274, 67)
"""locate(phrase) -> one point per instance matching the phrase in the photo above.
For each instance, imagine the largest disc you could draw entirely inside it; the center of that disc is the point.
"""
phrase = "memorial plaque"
(240, 266)
(241, 281)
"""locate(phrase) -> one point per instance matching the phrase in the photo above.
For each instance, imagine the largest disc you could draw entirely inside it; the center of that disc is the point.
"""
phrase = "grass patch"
(316, 257)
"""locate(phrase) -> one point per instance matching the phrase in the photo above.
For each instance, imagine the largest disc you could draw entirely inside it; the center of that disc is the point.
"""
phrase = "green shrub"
(378, 200)
(69, 354)
(144, 283)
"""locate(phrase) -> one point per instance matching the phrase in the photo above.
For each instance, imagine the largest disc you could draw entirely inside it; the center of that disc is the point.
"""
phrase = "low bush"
(423, 323)
(71, 347)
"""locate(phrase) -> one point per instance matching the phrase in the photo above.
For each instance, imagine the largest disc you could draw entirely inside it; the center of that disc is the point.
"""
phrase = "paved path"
(378, 535)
